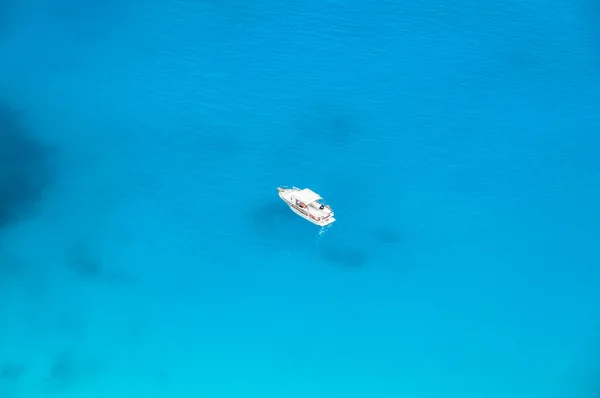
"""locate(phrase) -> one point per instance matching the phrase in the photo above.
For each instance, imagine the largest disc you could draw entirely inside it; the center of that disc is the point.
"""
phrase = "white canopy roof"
(307, 196)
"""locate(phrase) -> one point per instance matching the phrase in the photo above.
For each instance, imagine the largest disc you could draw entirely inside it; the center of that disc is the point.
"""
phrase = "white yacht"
(307, 204)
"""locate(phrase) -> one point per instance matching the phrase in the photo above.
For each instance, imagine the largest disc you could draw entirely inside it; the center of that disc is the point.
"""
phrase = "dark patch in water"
(221, 143)
(347, 256)
(85, 263)
(71, 325)
(66, 371)
(386, 236)
(25, 170)
(592, 15)
(7, 8)
(137, 329)
(326, 126)
(268, 219)
(339, 128)
(86, 20)
(163, 377)
(11, 372)
(60, 376)
(10, 266)
(280, 227)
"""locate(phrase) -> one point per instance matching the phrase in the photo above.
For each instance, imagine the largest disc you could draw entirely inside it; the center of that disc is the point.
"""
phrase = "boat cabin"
(310, 200)
(306, 197)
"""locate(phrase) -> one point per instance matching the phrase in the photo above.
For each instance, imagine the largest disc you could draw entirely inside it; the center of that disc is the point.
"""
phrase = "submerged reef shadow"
(67, 370)
(7, 8)
(347, 256)
(82, 262)
(361, 246)
(25, 168)
(86, 263)
(10, 378)
(386, 235)
(267, 219)
(11, 372)
(86, 20)
(10, 265)
(352, 243)
(340, 126)
(278, 226)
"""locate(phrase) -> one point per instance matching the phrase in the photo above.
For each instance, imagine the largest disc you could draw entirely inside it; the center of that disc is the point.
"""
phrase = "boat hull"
(323, 222)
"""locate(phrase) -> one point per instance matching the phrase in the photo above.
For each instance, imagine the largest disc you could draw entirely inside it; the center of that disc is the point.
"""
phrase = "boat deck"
(314, 209)
(289, 196)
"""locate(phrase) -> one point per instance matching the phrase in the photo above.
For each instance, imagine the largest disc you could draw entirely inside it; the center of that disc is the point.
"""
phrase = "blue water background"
(457, 141)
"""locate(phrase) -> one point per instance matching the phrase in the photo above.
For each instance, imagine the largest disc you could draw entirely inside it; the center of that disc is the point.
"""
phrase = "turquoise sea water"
(457, 141)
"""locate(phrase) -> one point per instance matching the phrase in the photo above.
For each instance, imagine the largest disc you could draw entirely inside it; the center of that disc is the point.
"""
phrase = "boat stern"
(327, 221)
